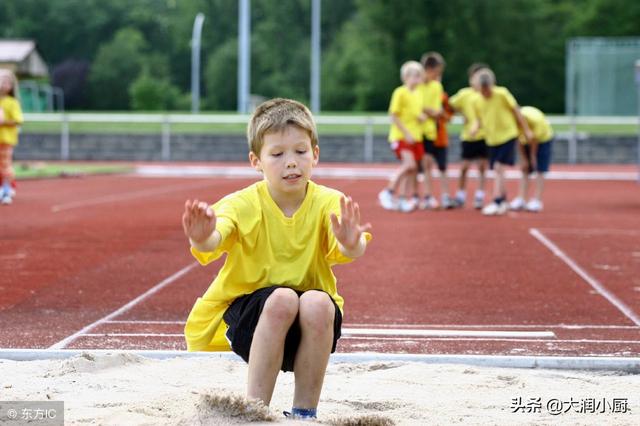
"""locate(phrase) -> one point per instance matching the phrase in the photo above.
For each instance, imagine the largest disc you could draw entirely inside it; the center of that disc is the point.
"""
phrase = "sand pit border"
(626, 364)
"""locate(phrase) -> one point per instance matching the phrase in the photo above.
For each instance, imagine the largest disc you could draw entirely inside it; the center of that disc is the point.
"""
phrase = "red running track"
(76, 255)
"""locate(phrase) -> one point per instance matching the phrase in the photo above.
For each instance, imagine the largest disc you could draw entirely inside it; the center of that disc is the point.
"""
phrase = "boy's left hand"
(347, 229)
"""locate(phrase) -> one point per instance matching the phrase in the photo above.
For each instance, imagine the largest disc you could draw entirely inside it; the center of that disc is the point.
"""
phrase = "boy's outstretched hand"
(198, 221)
(347, 229)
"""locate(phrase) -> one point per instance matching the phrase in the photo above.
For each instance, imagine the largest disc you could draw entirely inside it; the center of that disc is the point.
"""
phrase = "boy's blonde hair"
(276, 115)
(409, 68)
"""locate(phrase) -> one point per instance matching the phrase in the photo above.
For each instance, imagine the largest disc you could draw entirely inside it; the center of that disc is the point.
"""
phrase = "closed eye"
(302, 152)
(277, 154)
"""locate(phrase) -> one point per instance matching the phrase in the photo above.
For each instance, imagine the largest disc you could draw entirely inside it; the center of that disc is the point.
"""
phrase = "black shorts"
(474, 150)
(439, 153)
(503, 154)
(543, 157)
(242, 318)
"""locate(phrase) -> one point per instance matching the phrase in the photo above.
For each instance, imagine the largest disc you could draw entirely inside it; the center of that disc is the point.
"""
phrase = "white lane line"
(488, 339)
(430, 326)
(445, 333)
(181, 335)
(592, 231)
(595, 284)
(123, 196)
(490, 326)
(353, 332)
(64, 342)
(242, 172)
(143, 322)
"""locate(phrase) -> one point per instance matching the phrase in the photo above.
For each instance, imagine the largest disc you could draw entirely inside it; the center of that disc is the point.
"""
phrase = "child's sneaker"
(428, 203)
(534, 205)
(516, 204)
(406, 206)
(495, 209)
(461, 197)
(385, 197)
(447, 202)
(6, 199)
(478, 200)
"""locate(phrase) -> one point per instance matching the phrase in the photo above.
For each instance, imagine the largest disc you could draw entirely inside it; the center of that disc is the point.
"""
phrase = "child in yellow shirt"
(275, 301)
(535, 156)
(405, 139)
(474, 149)
(10, 119)
(498, 114)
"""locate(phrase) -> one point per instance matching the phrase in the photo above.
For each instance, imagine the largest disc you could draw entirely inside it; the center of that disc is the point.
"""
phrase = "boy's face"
(5, 84)
(485, 90)
(286, 160)
(413, 79)
(434, 73)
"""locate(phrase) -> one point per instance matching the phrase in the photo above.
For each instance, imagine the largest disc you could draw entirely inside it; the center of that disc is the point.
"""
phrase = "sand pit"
(126, 389)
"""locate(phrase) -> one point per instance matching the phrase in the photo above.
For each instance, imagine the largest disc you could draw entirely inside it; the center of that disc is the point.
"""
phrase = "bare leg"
(267, 347)
(427, 162)
(482, 167)
(524, 183)
(539, 185)
(462, 181)
(407, 167)
(317, 314)
(499, 189)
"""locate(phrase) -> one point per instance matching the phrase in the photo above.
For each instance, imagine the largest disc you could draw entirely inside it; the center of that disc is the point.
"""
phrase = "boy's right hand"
(198, 220)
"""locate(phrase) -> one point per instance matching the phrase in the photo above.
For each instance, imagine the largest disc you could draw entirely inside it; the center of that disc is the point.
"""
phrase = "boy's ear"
(255, 161)
(316, 155)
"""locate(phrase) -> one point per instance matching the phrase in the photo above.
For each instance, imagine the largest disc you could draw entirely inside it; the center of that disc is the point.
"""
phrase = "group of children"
(494, 127)
(10, 120)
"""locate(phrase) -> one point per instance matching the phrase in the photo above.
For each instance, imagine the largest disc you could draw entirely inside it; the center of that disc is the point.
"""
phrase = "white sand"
(124, 389)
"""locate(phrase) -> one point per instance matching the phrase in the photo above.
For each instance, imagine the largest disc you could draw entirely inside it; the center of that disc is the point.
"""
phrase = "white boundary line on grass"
(595, 284)
(604, 363)
(244, 172)
(122, 196)
(64, 342)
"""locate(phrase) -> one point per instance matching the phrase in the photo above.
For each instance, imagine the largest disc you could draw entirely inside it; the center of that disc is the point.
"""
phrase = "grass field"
(324, 129)
(31, 170)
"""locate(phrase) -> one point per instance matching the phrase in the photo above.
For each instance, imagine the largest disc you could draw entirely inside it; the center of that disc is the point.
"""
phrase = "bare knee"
(317, 313)
(281, 306)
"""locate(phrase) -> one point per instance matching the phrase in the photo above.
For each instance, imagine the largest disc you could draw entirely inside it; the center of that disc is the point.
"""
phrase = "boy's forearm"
(396, 120)
(356, 251)
(208, 245)
(521, 121)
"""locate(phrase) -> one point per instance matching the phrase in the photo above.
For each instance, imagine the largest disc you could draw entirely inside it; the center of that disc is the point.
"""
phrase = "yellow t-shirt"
(12, 112)
(265, 248)
(407, 105)
(538, 124)
(497, 117)
(432, 98)
(463, 102)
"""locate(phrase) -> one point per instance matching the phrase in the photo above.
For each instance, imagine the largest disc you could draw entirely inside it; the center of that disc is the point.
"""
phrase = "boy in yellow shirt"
(10, 119)
(474, 149)
(275, 302)
(405, 138)
(433, 92)
(535, 156)
(498, 114)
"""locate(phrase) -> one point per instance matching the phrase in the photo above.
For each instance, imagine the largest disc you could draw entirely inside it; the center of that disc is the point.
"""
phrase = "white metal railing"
(367, 121)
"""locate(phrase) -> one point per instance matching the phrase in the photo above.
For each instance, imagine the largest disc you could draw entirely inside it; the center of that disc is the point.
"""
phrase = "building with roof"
(22, 57)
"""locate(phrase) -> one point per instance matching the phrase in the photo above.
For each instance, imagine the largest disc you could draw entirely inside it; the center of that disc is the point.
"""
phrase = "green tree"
(117, 64)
